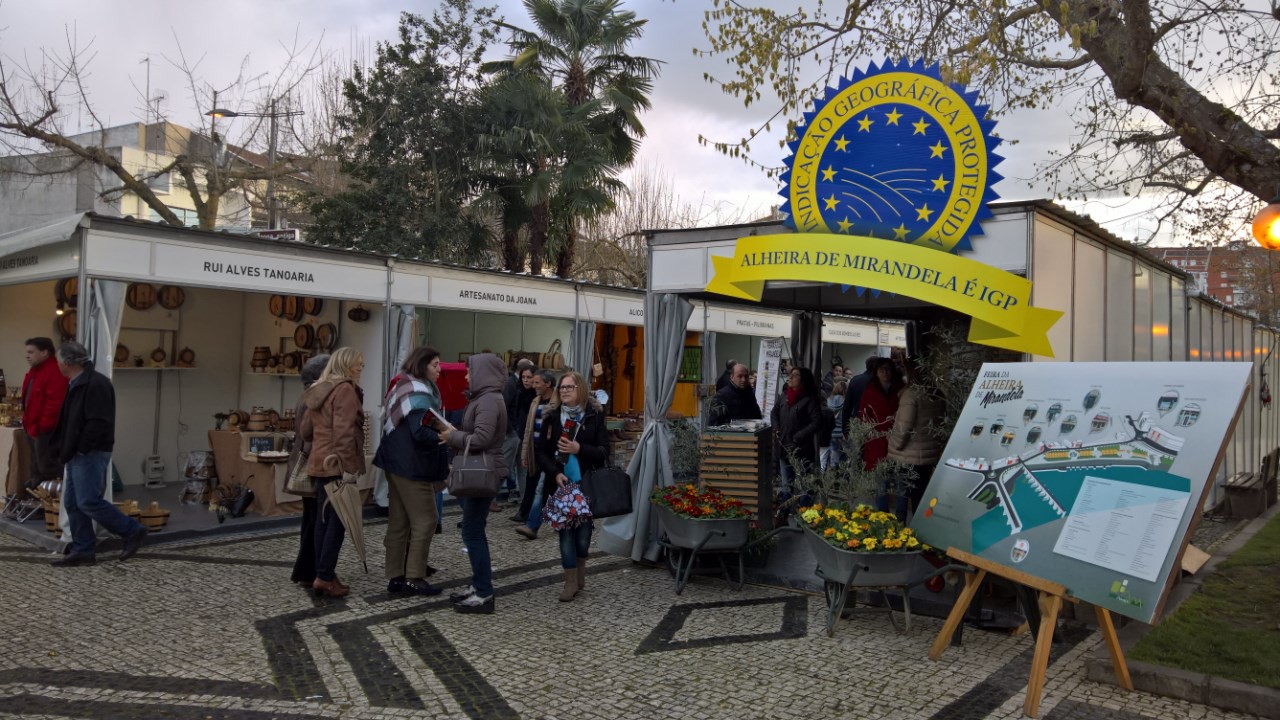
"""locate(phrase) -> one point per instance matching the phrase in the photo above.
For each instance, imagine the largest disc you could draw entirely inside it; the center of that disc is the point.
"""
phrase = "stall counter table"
(14, 458)
(236, 467)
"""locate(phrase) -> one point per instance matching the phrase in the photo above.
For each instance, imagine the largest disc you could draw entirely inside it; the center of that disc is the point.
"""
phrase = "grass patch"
(1229, 628)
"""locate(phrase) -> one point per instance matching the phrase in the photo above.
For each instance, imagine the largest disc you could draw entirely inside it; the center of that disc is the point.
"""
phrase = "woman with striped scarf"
(416, 465)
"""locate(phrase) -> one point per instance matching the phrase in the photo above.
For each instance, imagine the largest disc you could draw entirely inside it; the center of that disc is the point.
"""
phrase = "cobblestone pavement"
(215, 630)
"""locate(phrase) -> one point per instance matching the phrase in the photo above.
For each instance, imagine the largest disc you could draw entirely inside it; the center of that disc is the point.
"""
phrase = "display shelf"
(115, 368)
(273, 374)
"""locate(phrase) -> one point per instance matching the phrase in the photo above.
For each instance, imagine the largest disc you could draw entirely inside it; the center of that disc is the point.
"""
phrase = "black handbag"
(608, 492)
(473, 476)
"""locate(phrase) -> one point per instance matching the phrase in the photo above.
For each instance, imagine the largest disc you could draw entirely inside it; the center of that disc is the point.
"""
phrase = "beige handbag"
(554, 358)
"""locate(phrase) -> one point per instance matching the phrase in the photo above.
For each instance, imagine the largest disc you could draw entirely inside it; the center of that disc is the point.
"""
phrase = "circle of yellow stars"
(937, 150)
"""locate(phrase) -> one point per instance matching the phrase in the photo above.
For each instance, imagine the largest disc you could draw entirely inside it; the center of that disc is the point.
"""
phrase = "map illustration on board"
(1086, 474)
(1040, 485)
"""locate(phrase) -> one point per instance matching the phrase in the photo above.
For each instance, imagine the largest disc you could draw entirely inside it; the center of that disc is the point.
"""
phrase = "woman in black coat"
(797, 421)
(574, 441)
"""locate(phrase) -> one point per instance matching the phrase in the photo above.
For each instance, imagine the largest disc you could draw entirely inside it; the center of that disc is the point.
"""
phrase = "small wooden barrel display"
(66, 324)
(158, 357)
(236, 419)
(261, 358)
(304, 337)
(172, 297)
(292, 309)
(326, 337)
(257, 421)
(276, 305)
(154, 518)
(186, 357)
(140, 296)
(122, 354)
(67, 292)
(312, 306)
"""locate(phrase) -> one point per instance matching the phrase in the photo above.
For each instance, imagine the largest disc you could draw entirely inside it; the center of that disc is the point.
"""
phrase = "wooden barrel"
(67, 291)
(304, 336)
(261, 355)
(140, 296)
(326, 337)
(172, 297)
(312, 306)
(67, 324)
(257, 421)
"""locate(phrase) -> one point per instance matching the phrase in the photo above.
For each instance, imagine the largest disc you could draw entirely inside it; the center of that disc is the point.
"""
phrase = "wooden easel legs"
(971, 584)
(1050, 604)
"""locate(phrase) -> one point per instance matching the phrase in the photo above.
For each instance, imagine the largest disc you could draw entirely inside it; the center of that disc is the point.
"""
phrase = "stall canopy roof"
(61, 230)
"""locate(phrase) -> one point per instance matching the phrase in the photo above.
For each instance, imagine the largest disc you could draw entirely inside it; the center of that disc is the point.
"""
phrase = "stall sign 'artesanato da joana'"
(892, 166)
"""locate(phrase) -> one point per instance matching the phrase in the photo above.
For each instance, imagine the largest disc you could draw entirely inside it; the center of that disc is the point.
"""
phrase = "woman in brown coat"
(334, 425)
(304, 567)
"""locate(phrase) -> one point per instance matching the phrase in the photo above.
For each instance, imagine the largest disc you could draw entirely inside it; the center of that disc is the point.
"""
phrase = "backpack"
(828, 426)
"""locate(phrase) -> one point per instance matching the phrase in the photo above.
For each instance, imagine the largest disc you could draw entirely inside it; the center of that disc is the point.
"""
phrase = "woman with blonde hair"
(334, 425)
(574, 441)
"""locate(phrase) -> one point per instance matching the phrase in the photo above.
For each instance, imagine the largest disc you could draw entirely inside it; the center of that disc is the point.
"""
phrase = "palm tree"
(580, 51)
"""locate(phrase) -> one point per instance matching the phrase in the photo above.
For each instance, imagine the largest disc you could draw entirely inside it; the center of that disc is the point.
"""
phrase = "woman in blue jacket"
(416, 465)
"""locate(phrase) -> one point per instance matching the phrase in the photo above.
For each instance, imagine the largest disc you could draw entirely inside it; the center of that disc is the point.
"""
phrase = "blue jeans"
(82, 497)
(575, 543)
(534, 519)
(475, 515)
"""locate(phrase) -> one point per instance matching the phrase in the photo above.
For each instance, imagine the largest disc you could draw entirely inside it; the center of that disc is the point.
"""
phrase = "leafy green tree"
(410, 139)
(579, 50)
(1169, 97)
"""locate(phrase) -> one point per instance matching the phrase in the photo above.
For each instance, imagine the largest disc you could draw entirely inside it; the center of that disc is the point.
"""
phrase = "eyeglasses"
(568, 387)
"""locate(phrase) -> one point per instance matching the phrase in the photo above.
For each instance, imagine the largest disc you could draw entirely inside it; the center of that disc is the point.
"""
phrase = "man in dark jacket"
(84, 439)
(43, 390)
(853, 396)
(735, 401)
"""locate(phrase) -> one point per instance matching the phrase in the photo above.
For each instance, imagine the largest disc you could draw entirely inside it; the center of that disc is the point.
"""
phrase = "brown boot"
(330, 588)
(570, 585)
(581, 572)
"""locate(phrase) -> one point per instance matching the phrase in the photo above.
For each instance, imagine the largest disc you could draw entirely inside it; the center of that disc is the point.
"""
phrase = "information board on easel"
(1083, 481)
(767, 377)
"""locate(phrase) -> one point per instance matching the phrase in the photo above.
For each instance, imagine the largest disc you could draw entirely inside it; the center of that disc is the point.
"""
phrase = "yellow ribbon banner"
(999, 302)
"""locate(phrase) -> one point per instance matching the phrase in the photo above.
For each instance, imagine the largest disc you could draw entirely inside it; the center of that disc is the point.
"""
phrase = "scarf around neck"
(793, 395)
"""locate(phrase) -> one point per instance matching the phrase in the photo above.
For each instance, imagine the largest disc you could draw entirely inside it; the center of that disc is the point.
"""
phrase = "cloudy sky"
(220, 36)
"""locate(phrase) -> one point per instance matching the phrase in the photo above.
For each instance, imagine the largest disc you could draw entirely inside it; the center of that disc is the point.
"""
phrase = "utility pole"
(271, 167)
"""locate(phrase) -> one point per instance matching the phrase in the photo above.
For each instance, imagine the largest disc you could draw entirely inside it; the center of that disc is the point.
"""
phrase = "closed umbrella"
(345, 499)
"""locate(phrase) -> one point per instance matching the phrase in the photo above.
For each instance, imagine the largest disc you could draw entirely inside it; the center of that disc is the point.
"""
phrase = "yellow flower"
(907, 532)
(870, 543)
(810, 516)
(912, 543)
(841, 537)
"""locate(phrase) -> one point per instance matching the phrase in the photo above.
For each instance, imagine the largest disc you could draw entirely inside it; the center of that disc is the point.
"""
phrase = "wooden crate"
(741, 465)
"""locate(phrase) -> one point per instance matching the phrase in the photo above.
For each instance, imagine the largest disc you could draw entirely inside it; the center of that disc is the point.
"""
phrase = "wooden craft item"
(290, 361)
(358, 314)
(172, 297)
(312, 306)
(326, 336)
(140, 296)
(122, 354)
(261, 357)
(292, 309)
(67, 291)
(186, 357)
(304, 336)
(158, 355)
(276, 305)
(67, 324)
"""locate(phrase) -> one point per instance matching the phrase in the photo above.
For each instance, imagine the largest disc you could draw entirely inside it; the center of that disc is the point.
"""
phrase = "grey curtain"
(404, 336)
(806, 341)
(583, 346)
(99, 331)
(665, 318)
(710, 363)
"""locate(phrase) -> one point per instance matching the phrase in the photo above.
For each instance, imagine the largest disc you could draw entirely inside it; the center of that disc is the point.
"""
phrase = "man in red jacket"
(43, 390)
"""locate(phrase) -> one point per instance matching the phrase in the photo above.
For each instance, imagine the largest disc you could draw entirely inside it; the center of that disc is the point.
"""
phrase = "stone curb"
(1182, 684)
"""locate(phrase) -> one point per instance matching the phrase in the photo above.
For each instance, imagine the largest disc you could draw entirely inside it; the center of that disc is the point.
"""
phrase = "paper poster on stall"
(767, 364)
(1085, 474)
